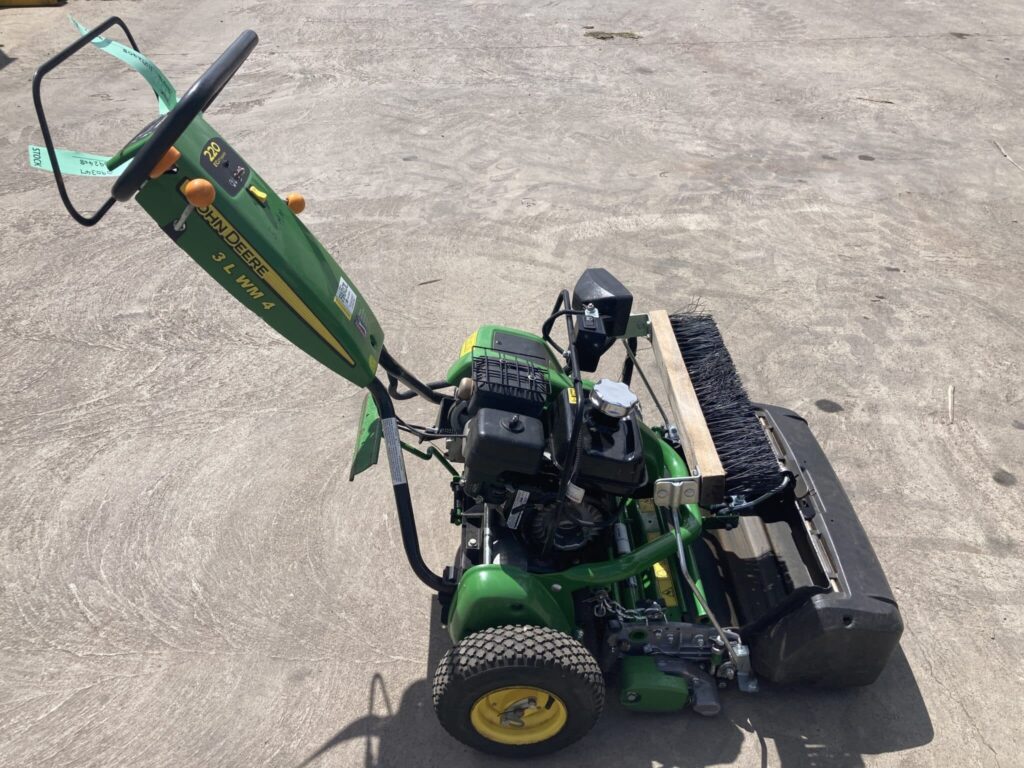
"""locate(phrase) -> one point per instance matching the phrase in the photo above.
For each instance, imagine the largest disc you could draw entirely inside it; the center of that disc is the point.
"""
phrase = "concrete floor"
(186, 576)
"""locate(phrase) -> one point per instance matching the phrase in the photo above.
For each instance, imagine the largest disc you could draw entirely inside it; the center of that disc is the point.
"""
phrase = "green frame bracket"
(645, 688)
(368, 433)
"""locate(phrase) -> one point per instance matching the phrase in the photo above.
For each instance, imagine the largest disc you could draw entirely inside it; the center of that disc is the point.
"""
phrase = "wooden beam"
(698, 447)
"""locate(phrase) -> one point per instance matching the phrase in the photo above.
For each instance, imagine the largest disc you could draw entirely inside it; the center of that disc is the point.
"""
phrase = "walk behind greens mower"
(710, 546)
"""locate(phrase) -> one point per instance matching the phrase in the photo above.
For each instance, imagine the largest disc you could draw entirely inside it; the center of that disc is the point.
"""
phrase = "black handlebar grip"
(196, 100)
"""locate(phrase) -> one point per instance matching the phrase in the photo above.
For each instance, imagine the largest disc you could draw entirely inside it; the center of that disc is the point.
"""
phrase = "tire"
(482, 679)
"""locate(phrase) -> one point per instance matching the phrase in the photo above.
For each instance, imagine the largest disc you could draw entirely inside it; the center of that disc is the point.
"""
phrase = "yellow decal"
(572, 395)
(663, 578)
(212, 152)
(468, 344)
(241, 248)
(666, 588)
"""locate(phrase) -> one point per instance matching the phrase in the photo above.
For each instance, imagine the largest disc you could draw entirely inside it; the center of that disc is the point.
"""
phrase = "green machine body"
(257, 249)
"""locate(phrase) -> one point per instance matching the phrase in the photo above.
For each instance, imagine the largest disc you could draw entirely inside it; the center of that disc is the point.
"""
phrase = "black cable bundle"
(751, 469)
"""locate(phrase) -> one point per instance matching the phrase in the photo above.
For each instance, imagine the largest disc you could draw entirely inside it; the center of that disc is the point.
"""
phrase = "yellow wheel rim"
(521, 715)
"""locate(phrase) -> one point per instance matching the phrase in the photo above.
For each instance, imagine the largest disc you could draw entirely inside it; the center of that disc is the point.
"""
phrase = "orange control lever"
(296, 203)
(165, 163)
(200, 193)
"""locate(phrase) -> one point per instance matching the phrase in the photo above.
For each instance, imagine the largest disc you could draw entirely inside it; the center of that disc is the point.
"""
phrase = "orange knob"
(165, 163)
(200, 193)
(296, 203)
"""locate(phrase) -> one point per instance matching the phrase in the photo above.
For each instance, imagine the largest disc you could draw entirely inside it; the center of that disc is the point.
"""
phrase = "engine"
(546, 468)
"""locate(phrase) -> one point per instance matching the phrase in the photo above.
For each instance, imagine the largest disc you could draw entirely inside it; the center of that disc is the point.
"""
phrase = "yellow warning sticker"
(666, 588)
(468, 344)
(572, 395)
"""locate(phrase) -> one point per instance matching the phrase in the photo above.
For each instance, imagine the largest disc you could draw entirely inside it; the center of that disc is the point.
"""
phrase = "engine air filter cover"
(508, 385)
(613, 398)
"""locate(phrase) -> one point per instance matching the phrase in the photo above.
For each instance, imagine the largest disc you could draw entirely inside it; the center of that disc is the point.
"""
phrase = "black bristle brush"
(751, 469)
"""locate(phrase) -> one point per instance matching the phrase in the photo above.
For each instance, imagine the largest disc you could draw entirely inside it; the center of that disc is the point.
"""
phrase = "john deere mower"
(704, 544)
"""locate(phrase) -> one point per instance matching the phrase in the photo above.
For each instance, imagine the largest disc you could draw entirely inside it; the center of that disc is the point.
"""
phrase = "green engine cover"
(499, 341)
(251, 243)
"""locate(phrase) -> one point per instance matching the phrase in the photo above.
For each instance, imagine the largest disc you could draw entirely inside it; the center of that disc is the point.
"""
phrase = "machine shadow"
(806, 727)
(4, 58)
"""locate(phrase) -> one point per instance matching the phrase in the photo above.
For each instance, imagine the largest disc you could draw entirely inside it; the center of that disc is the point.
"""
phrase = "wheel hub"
(518, 715)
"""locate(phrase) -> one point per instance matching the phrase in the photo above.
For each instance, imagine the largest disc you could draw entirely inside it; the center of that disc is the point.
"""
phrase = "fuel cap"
(613, 398)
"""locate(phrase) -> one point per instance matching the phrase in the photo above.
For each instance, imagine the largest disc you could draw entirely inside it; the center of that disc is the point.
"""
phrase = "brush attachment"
(751, 469)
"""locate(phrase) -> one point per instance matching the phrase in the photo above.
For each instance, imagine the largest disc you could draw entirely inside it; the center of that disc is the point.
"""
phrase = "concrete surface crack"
(1003, 153)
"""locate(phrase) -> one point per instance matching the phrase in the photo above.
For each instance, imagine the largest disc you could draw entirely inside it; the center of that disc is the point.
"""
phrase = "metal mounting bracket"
(674, 492)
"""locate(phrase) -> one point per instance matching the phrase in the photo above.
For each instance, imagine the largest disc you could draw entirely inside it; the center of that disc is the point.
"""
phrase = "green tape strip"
(86, 164)
(165, 95)
(71, 162)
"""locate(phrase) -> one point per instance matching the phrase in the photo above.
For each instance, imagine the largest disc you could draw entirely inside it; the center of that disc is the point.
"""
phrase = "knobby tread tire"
(518, 655)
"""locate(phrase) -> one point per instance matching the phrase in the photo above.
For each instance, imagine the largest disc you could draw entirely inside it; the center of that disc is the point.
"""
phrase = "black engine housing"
(611, 451)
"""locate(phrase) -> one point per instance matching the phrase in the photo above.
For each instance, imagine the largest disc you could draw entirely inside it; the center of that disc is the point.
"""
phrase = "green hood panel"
(483, 341)
(492, 595)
